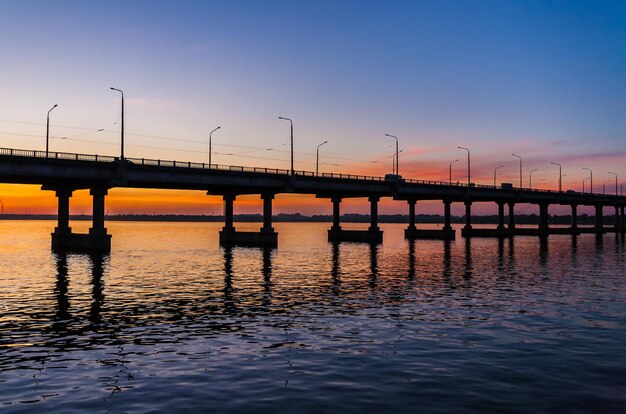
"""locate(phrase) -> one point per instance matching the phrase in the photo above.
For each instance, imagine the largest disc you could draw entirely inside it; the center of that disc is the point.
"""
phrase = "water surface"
(171, 322)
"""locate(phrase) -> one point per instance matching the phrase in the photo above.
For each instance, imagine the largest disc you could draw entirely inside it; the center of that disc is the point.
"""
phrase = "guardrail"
(259, 170)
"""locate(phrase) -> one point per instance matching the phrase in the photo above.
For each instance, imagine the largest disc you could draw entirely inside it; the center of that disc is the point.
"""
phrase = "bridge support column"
(618, 217)
(266, 237)
(447, 215)
(98, 195)
(63, 213)
(336, 213)
(413, 232)
(544, 226)
(229, 200)
(97, 240)
(599, 226)
(622, 220)
(411, 227)
(267, 213)
(511, 219)
(372, 235)
(374, 214)
(574, 225)
(501, 217)
(467, 229)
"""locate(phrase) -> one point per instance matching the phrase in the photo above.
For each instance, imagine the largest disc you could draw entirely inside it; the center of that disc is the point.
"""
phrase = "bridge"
(65, 173)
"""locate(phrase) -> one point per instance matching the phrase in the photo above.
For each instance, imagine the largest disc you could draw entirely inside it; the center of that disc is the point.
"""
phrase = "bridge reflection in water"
(65, 173)
(230, 304)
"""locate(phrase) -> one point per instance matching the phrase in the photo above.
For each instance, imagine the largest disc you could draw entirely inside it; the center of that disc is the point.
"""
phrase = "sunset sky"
(545, 80)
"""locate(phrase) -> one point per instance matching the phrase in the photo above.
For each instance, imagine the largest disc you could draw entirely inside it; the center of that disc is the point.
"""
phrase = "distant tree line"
(583, 219)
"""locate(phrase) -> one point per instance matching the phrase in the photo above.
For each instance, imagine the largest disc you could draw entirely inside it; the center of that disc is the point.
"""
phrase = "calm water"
(170, 322)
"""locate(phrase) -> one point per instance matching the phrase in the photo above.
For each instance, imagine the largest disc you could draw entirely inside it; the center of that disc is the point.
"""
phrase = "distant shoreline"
(299, 218)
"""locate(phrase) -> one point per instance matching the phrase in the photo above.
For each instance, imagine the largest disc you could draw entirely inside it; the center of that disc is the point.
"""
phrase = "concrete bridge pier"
(372, 235)
(501, 227)
(544, 226)
(412, 232)
(572, 229)
(599, 225)
(511, 219)
(466, 231)
(622, 220)
(499, 231)
(266, 237)
(97, 240)
(574, 225)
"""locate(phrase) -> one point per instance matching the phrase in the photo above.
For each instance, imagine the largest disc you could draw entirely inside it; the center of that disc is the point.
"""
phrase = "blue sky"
(544, 79)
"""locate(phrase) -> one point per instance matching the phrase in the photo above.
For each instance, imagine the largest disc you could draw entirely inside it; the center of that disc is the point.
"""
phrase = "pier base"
(590, 230)
(434, 234)
(472, 232)
(81, 243)
(248, 238)
(360, 236)
(564, 230)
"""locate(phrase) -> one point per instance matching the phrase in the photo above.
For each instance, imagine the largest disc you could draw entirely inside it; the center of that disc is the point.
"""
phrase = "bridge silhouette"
(65, 173)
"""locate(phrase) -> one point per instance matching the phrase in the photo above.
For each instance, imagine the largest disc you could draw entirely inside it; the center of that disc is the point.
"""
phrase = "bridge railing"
(276, 171)
(203, 166)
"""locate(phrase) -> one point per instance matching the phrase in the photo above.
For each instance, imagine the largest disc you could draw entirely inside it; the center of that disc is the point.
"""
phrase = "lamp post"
(450, 169)
(317, 157)
(48, 129)
(210, 149)
(122, 143)
(397, 152)
(560, 175)
(590, 179)
(530, 178)
(468, 164)
(584, 179)
(494, 174)
(394, 158)
(290, 122)
(615, 174)
(520, 169)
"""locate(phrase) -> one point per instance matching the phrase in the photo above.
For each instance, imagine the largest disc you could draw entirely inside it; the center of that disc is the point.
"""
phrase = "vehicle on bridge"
(393, 177)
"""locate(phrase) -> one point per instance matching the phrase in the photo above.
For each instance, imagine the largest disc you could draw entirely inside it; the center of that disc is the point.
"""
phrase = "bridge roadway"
(65, 173)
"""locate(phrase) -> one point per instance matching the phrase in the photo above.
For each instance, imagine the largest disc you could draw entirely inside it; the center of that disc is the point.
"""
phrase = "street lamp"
(317, 157)
(48, 129)
(530, 178)
(590, 179)
(450, 169)
(397, 152)
(560, 175)
(394, 158)
(494, 174)
(584, 179)
(615, 174)
(291, 122)
(122, 151)
(520, 169)
(468, 164)
(210, 138)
